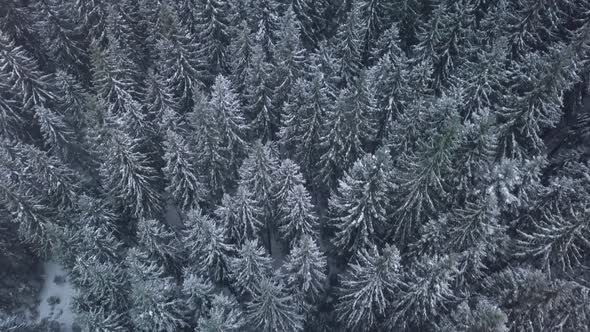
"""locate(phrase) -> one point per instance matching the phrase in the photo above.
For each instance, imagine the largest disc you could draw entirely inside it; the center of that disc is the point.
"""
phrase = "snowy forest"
(295, 165)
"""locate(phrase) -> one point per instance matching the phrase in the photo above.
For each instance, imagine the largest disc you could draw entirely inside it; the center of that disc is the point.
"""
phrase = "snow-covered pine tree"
(31, 214)
(258, 94)
(207, 248)
(23, 75)
(289, 58)
(212, 164)
(162, 106)
(297, 217)
(160, 243)
(225, 315)
(533, 300)
(389, 79)
(229, 118)
(183, 182)
(484, 77)
(482, 316)
(62, 35)
(360, 206)
(49, 178)
(313, 23)
(250, 267)
(240, 215)
(99, 240)
(263, 18)
(557, 223)
(113, 81)
(287, 176)
(423, 171)
(532, 25)
(257, 177)
(536, 88)
(271, 309)
(212, 18)
(92, 17)
(476, 154)
(131, 18)
(368, 288)
(348, 132)
(304, 271)
(188, 15)
(73, 99)
(349, 47)
(425, 295)
(474, 231)
(303, 121)
(129, 179)
(179, 64)
(100, 320)
(34, 186)
(242, 52)
(96, 212)
(57, 133)
(444, 41)
(11, 116)
(197, 292)
(103, 285)
(156, 305)
(16, 20)
(376, 16)
(324, 62)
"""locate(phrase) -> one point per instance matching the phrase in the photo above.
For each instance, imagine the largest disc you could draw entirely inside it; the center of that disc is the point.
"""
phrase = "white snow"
(60, 312)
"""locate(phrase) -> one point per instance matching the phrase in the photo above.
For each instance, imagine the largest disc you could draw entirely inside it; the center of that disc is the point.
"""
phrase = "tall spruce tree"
(360, 206)
(33, 87)
(129, 179)
(183, 182)
(240, 215)
(348, 132)
(289, 58)
(250, 267)
(224, 316)
(368, 288)
(212, 19)
(257, 177)
(208, 250)
(229, 116)
(350, 46)
(297, 217)
(271, 309)
(304, 271)
(259, 95)
(303, 122)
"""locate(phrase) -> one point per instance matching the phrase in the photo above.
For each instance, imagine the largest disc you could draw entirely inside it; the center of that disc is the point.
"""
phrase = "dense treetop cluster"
(300, 165)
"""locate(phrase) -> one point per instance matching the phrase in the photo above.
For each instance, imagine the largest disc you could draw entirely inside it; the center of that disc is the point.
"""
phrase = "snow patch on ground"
(61, 312)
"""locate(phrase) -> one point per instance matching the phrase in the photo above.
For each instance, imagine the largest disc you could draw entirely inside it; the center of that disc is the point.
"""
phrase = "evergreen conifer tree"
(224, 316)
(368, 288)
(183, 181)
(359, 207)
(258, 96)
(212, 19)
(272, 310)
(207, 247)
(304, 270)
(240, 215)
(251, 267)
(297, 217)
(129, 179)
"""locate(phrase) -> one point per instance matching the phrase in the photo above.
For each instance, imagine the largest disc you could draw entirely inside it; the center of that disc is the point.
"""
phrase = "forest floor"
(56, 296)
